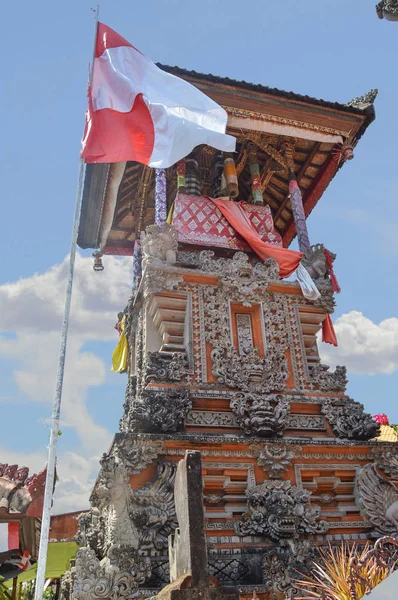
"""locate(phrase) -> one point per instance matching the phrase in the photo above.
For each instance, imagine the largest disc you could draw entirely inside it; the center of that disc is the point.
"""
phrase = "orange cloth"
(288, 260)
(328, 333)
(234, 212)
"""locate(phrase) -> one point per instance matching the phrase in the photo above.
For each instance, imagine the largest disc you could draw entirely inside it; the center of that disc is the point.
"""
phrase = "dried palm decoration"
(348, 572)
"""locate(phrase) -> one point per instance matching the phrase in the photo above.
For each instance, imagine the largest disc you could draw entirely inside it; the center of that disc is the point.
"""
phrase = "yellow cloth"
(120, 353)
(170, 215)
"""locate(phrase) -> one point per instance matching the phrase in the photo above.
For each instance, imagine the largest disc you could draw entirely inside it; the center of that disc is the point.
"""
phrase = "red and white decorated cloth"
(139, 112)
(198, 221)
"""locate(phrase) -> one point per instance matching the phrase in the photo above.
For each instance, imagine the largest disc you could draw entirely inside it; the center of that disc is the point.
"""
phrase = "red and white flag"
(139, 112)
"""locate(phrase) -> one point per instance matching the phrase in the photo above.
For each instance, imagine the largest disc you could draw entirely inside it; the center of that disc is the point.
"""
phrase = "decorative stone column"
(160, 197)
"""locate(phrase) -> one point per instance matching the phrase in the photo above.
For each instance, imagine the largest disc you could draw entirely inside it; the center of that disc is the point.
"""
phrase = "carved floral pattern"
(160, 368)
(94, 579)
(275, 459)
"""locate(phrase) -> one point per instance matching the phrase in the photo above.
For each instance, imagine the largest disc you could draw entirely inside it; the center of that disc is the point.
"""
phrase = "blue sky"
(334, 50)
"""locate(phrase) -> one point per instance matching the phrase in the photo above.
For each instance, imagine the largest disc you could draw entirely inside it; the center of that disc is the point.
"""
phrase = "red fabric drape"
(288, 260)
(234, 212)
(13, 535)
(335, 284)
(328, 333)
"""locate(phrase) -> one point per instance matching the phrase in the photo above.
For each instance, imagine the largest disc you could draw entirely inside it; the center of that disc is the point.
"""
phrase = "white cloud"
(30, 320)
(35, 304)
(364, 347)
(33, 307)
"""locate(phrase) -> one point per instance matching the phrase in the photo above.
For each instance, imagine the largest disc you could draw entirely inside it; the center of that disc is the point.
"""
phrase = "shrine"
(219, 349)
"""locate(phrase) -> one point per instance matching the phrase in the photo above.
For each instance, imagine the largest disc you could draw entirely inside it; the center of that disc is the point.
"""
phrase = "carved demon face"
(282, 513)
(263, 417)
(279, 510)
(258, 415)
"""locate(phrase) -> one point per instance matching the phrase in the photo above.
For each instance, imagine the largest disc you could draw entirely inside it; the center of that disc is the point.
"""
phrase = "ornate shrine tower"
(222, 358)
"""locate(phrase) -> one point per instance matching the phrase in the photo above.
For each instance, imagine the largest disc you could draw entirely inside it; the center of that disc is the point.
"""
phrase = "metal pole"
(52, 448)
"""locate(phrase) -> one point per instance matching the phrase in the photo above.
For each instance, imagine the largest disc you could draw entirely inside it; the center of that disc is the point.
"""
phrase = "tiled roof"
(256, 87)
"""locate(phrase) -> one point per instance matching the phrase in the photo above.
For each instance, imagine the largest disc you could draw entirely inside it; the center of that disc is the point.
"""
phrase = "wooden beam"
(300, 174)
(120, 216)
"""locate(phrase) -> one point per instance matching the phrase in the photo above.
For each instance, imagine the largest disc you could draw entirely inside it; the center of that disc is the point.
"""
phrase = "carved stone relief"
(157, 410)
(247, 371)
(239, 276)
(378, 498)
(160, 368)
(244, 332)
(280, 511)
(282, 565)
(152, 509)
(387, 9)
(135, 454)
(369, 98)
(260, 414)
(100, 579)
(327, 381)
(112, 496)
(208, 418)
(66, 586)
(159, 243)
(123, 523)
(386, 459)
(91, 530)
(275, 459)
(349, 420)
(156, 279)
(314, 260)
(129, 399)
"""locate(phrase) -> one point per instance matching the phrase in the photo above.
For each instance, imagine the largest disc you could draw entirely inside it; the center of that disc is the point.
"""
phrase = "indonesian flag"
(139, 112)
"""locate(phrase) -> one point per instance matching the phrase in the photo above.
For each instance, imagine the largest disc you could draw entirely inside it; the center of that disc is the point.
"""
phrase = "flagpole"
(52, 448)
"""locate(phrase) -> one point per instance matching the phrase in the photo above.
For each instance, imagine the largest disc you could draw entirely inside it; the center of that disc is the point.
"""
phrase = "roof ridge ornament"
(367, 99)
(387, 9)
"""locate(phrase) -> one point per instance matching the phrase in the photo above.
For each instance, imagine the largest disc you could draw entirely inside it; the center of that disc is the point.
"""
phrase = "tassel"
(335, 284)
(328, 332)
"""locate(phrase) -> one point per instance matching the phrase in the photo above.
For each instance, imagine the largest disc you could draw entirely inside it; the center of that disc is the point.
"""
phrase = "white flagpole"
(52, 448)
